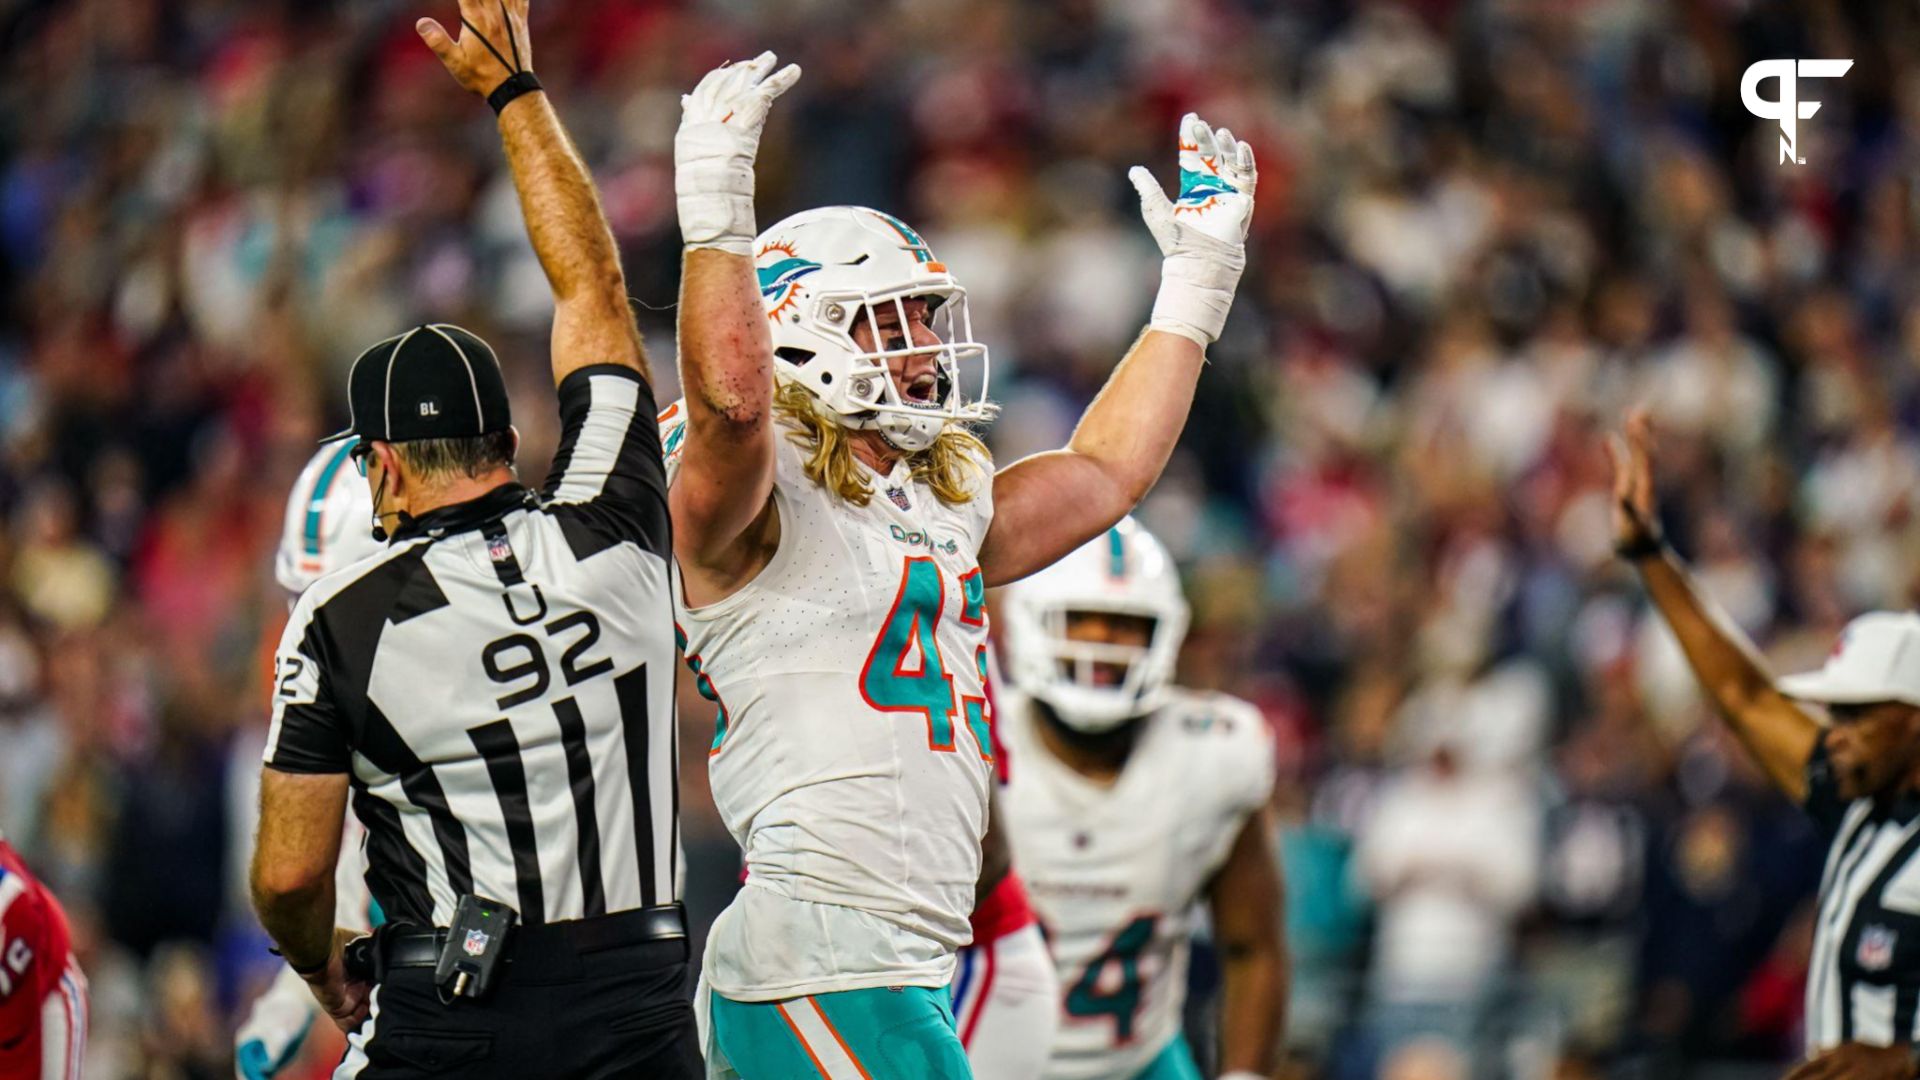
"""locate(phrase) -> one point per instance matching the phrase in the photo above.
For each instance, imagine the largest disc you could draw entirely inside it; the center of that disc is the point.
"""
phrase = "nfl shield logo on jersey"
(476, 942)
(1875, 952)
(498, 549)
(899, 498)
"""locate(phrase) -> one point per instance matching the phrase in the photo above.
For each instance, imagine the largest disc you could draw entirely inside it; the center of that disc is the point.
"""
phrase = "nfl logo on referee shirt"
(476, 942)
(1875, 952)
(498, 549)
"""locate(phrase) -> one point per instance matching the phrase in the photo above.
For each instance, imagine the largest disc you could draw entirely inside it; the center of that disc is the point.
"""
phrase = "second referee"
(495, 688)
(1857, 776)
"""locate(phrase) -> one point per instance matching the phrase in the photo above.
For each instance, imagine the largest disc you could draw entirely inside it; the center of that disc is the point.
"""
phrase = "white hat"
(1876, 659)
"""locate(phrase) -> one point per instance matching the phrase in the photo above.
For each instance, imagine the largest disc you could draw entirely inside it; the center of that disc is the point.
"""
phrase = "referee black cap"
(435, 381)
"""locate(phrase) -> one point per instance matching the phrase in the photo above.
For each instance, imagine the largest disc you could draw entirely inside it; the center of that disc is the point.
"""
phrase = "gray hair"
(444, 459)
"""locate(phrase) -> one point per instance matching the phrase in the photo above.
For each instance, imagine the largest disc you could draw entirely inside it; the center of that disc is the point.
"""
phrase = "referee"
(495, 687)
(1858, 777)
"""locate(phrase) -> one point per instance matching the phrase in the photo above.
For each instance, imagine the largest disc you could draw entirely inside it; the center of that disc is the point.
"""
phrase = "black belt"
(408, 948)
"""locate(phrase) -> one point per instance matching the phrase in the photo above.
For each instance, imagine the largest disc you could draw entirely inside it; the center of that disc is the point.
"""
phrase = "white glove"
(1203, 233)
(713, 152)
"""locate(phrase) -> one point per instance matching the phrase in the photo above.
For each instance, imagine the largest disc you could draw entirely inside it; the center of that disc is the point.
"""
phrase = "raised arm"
(1776, 731)
(725, 479)
(493, 57)
(1051, 503)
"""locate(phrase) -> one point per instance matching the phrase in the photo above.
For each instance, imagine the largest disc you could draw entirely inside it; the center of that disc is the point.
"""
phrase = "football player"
(1131, 802)
(43, 995)
(327, 526)
(1005, 991)
(836, 526)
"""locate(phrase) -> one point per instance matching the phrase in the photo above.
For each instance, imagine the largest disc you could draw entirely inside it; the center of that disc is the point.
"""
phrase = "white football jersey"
(1115, 871)
(329, 520)
(851, 757)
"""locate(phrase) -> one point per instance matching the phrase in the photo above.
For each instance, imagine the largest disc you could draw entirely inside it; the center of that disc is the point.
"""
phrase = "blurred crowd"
(1516, 843)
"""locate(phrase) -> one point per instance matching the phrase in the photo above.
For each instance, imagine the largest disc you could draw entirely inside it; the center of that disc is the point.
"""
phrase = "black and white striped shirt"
(1863, 981)
(499, 683)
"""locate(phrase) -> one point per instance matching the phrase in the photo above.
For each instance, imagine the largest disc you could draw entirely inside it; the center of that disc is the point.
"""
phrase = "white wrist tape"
(1196, 293)
(713, 184)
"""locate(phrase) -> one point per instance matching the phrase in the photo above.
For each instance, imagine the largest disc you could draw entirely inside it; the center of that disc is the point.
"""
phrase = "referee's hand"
(1636, 524)
(1858, 1061)
(492, 45)
(345, 999)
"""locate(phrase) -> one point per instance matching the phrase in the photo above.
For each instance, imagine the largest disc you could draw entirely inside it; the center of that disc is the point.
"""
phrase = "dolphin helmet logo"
(777, 279)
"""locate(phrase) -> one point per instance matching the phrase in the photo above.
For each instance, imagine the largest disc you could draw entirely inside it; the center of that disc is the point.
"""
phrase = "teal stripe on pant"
(888, 1034)
(1174, 1063)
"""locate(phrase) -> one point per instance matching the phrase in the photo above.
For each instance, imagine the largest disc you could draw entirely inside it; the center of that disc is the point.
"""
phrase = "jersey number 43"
(905, 671)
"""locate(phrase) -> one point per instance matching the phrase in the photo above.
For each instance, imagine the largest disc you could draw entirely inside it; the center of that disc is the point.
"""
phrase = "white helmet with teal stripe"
(1125, 571)
(326, 520)
(824, 271)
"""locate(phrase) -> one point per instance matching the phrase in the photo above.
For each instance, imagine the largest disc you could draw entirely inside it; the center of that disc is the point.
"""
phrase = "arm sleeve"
(608, 476)
(307, 735)
(1823, 803)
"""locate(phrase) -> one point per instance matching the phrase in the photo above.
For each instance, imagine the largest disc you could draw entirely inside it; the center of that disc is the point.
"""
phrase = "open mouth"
(921, 390)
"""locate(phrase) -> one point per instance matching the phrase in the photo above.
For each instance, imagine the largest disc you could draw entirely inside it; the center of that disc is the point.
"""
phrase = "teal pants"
(1174, 1063)
(878, 1034)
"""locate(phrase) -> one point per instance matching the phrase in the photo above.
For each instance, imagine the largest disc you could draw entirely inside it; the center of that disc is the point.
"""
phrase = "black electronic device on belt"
(476, 943)
(360, 959)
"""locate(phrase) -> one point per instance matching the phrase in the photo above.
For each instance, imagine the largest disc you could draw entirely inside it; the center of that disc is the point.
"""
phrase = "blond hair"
(953, 466)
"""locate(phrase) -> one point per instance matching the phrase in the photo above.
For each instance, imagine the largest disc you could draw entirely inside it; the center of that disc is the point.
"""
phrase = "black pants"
(624, 1011)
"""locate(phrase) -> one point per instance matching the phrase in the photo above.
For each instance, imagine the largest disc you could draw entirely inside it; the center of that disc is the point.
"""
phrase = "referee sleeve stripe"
(603, 438)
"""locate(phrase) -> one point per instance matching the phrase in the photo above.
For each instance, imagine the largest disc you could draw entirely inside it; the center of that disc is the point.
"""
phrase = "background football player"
(836, 526)
(1006, 993)
(43, 994)
(328, 525)
(1130, 802)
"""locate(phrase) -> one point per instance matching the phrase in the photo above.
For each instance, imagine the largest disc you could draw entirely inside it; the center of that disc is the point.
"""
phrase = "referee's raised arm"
(592, 323)
(494, 687)
(1775, 730)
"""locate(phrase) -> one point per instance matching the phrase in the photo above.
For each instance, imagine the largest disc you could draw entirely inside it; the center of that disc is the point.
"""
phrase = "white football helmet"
(1125, 572)
(326, 520)
(822, 269)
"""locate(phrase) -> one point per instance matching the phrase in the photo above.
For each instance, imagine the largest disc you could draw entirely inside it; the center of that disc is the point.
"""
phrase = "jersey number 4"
(905, 671)
(1097, 994)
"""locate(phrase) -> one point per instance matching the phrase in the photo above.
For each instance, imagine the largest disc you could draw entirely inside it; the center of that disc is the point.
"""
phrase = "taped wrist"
(713, 188)
(1196, 293)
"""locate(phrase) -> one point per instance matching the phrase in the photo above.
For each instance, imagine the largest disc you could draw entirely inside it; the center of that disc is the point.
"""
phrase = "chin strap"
(893, 439)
